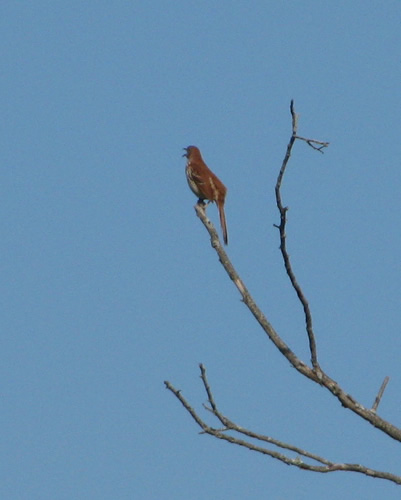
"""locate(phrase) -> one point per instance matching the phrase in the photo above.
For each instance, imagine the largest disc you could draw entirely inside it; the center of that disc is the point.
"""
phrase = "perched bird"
(205, 184)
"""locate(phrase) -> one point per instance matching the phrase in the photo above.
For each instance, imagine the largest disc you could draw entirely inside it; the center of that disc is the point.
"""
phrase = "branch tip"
(380, 394)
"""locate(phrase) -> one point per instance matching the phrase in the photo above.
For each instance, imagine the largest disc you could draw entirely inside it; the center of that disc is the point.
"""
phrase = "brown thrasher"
(205, 184)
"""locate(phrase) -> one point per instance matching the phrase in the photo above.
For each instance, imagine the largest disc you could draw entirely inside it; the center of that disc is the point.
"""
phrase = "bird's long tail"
(220, 205)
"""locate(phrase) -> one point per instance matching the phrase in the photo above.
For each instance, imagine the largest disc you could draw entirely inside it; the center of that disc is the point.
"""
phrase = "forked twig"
(313, 143)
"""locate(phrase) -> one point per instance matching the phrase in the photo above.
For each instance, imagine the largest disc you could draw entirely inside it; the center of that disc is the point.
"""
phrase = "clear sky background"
(109, 285)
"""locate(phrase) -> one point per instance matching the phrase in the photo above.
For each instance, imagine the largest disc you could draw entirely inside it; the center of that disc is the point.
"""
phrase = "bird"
(205, 184)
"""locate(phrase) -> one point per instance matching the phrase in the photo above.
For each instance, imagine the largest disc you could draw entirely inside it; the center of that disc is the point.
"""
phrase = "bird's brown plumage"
(205, 184)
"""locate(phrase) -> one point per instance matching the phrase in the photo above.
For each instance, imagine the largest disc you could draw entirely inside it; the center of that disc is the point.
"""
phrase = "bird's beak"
(186, 152)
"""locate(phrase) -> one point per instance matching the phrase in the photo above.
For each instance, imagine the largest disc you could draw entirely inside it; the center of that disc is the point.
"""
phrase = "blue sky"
(108, 282)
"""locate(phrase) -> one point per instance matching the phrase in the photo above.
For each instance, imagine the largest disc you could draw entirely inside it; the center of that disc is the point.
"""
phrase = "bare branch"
(254, 441)
(185, 404)
(316, 374)
(297, 461)
(231, 426)
(380, 394)
(314, 144)
(246, 296)
(283, 246)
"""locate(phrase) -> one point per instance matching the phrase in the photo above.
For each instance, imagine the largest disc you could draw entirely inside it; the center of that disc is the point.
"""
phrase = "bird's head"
(191, 151)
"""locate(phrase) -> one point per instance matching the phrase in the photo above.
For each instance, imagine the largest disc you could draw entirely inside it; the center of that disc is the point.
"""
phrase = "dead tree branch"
(313, 372)
(283, 246)
(303, 459)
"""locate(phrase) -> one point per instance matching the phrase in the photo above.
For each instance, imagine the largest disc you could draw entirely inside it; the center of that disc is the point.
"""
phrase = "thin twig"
(207, 388)
(380, 394)
(311, 142)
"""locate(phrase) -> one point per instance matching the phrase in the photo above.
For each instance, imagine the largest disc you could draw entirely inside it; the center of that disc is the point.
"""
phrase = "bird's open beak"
(186, 152)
